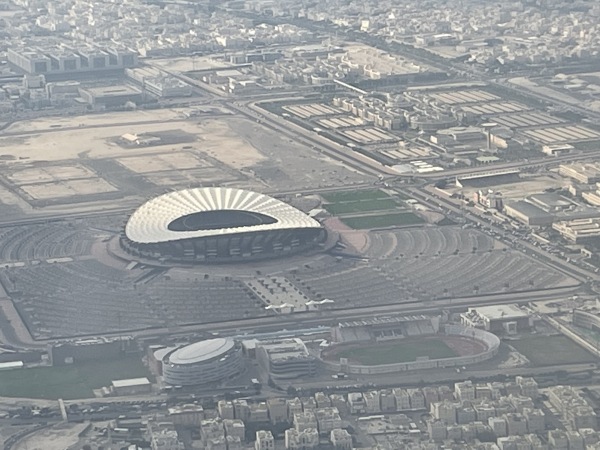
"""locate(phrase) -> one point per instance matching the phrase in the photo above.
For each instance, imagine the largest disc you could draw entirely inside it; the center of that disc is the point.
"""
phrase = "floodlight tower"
(488, 133)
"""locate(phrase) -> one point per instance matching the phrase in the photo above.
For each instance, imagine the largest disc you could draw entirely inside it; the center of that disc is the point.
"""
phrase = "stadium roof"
(201, 351)
(203, 212)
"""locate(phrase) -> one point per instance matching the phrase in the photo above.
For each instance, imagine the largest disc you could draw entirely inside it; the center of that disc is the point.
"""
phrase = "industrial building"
(64, 60)
(218, 225)
(579, 230)
(204, 362)
(158, 83)
(133, 386)
(111, 96)
(286, 358)
(529, 214)
(587, 173)
(498, 318)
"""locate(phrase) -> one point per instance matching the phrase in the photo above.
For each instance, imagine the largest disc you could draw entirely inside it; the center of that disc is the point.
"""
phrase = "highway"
(332, 317)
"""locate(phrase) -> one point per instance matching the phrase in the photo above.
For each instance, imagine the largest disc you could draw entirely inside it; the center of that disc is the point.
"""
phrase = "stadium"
(203, 362)
(218, 225)
(393, 344)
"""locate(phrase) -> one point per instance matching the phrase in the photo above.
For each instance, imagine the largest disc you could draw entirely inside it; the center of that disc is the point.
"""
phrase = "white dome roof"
(150, 222)
(201, 351)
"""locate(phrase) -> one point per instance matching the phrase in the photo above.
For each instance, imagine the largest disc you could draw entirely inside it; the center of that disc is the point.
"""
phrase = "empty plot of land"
(312, 110)
(495, 108)
(68, 188)
(460, 97)
(207, 176)
(551, 350)
(162, 162)
(569, 133)
(395, 351)
(383, 220)
(50, 174)
(526, 120)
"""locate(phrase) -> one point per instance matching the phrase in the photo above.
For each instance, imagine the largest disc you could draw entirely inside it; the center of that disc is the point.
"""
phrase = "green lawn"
(354, 196)
(382, 220)
(551, 350)
(397, 352)
(361, 206)
(69, 382)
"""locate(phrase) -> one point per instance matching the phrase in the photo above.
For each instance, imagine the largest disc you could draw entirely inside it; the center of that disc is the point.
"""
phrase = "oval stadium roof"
(192, 213)
(201, 351)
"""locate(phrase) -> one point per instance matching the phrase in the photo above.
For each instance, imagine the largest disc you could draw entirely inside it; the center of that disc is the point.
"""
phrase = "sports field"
(382, 220)
(361, 206)
(69, 382)
(551, 350)
(393, 352)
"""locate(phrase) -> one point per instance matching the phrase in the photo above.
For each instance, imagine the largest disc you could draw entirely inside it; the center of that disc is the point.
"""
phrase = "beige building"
(328, 419)
(586, 173)
(235, 427)
(305, 420)
(306, 439)
(278, 410)
(578, 230)
(264, 440)
(340, 439)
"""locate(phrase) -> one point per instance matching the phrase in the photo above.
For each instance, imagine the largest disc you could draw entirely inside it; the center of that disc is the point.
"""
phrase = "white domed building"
(218, 225)
(203, 362)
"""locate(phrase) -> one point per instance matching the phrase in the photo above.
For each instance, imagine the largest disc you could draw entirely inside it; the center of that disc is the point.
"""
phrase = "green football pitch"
(69, 382)
(551, 350)
(394, 352)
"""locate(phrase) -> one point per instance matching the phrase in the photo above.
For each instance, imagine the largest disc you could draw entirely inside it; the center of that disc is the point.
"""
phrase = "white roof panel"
(150, 222)
(202, 351)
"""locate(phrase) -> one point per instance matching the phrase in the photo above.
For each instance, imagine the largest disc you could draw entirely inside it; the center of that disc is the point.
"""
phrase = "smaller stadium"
(218, 225)
(402, 343)
(204, 362)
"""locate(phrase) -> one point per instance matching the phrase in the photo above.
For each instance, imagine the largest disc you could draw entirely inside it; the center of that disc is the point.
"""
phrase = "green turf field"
(69, 382)
(354, 196)
(396, 352)
(551, 350)
(361, 206)
(382, 220)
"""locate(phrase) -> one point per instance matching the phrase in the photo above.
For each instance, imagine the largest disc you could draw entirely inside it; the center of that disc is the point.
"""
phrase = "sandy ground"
(64, 158)
(216, 138)
(59, 437)
(106, 119)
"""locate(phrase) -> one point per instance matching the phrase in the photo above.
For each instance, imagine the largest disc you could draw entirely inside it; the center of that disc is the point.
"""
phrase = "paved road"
(428, 195)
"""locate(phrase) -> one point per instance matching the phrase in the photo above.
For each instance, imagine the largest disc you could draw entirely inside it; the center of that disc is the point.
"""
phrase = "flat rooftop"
(117, 90)
(129, 382)
(497, 312)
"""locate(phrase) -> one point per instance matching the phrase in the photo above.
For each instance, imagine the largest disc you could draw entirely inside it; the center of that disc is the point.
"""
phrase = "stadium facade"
(398, 328)
(203, 362)
(218, 225)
